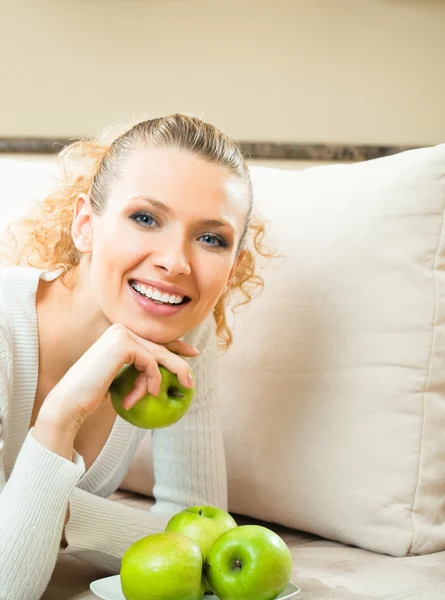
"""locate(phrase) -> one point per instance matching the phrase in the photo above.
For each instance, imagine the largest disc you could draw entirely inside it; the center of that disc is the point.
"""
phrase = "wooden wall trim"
(253, 150)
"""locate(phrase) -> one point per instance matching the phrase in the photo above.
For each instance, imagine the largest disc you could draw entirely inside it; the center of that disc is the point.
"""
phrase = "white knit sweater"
(37, 484)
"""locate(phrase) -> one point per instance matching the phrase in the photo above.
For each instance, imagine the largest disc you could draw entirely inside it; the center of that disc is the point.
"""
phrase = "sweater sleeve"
(32, 504)
(99, 530)
(32, 510)
(188, 457)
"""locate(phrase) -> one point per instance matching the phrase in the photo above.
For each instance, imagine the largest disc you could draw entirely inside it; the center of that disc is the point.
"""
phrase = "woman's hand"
(85, 385)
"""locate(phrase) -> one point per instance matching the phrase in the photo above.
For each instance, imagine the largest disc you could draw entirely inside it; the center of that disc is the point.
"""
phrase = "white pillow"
(332, 397)
(23, 182)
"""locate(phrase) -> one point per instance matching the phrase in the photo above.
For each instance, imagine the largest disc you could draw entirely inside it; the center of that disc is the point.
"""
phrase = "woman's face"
(164, 248)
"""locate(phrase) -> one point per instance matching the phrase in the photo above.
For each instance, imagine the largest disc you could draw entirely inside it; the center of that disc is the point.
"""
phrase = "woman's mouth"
(156, 302)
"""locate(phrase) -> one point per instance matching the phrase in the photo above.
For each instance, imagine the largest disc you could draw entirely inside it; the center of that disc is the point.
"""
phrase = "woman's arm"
(188, 457)
(32, 505)
(99, 530)
(189, 469)
(32, 510)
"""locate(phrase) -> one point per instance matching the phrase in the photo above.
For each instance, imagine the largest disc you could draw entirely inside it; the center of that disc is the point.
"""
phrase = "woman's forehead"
(170, 167)
(176, 176)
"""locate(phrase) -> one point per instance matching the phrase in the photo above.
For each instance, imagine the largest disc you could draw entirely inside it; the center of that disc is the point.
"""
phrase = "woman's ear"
(82, 226)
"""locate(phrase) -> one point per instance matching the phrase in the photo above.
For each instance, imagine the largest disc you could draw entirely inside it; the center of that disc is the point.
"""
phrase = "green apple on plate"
(248, 562)
(151, 412)
(203, 524)
(162, 566)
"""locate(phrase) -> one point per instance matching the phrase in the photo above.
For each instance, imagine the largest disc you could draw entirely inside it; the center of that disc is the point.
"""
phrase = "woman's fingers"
(168, 359)
(150, 374)
(149, 378)
(139, 390)
(182, 348)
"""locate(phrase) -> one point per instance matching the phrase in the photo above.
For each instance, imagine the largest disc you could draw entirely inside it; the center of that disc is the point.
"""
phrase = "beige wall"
(337, 71)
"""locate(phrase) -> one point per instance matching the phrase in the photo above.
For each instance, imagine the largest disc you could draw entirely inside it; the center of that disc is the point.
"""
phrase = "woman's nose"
(172, 258)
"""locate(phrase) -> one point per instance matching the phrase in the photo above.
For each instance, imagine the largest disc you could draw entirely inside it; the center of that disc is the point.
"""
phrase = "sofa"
(332, 396)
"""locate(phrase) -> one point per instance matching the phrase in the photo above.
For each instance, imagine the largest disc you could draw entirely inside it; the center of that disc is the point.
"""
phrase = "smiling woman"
(130, 260)
(166, 175)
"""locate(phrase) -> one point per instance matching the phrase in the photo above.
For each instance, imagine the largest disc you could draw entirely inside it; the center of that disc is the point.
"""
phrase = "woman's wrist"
(56, 432)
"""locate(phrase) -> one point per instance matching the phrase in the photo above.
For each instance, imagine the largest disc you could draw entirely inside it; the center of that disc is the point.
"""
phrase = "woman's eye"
(143, 218)
(148, 220)
(214, 240)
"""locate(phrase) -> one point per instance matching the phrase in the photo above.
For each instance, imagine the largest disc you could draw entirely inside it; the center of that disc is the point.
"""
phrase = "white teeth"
(155, 294)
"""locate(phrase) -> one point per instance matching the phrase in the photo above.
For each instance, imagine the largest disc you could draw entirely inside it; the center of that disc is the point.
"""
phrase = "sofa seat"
(323, 569)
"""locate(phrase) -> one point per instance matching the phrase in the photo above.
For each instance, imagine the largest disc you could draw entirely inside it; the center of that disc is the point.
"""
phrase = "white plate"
(109, 588)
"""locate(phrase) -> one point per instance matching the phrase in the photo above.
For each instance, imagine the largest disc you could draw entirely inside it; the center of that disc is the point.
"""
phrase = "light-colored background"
(333, 71)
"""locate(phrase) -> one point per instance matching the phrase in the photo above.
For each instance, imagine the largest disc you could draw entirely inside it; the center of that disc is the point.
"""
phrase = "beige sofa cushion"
(332, 398)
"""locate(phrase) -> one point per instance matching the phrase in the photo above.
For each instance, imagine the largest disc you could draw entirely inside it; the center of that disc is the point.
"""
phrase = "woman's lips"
(152, 308)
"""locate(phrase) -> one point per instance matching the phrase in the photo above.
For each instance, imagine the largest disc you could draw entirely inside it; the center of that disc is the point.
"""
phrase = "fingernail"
(193, 349)
(190, 380)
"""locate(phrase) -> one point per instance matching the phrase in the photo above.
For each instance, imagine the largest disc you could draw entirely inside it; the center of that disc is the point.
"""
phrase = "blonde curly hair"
(44, 239)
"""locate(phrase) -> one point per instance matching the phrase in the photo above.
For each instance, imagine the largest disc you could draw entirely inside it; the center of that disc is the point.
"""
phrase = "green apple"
(151, 412)
(248, 562)
(162, 566)
(204, 524)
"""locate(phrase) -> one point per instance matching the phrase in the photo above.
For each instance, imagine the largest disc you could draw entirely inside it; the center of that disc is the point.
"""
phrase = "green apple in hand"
(248, 562)
(204, 524)
(162, 566)
(151, 412)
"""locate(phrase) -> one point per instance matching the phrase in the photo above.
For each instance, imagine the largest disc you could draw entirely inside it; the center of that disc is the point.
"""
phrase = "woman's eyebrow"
(169, 212)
